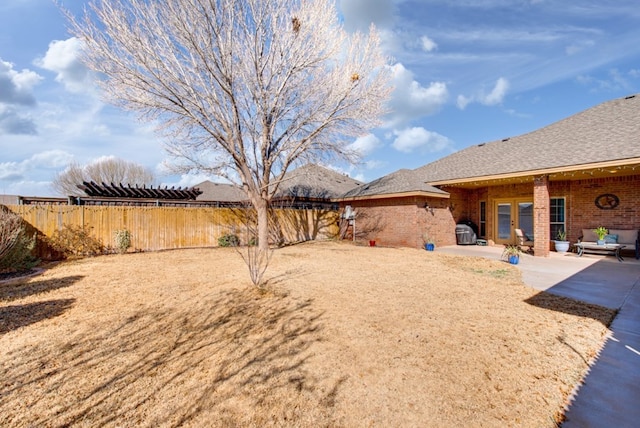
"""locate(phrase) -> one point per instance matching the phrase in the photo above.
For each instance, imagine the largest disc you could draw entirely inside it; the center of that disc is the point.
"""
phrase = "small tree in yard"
(242, 89)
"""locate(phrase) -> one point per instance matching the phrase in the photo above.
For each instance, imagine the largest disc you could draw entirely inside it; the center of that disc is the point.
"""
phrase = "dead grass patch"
(344, 336)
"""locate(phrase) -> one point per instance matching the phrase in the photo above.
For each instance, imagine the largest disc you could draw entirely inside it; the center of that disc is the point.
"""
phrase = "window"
(557, 217)
(483, 219)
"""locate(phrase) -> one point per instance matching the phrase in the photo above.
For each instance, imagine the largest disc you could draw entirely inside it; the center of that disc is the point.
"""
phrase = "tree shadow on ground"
(234, 358)
(16, 316)
(570, 306)
(19, 289)
(293, 225)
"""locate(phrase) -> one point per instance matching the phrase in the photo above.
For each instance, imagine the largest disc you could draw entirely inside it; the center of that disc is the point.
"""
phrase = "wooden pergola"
(120, 191)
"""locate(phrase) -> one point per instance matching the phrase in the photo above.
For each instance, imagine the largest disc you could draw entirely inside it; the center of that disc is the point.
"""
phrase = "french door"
(512, 214)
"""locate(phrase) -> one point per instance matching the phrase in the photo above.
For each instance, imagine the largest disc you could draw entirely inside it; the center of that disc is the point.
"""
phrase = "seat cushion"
(588, 235)
(625, 236)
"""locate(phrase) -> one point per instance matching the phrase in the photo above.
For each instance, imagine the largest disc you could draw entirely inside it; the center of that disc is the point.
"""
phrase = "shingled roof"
(306, 182)
(403, 182)
(313, 181)
(607, 132)
(220, 192)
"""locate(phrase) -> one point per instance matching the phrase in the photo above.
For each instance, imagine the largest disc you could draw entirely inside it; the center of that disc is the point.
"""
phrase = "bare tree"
(242, 89)
(105, 170)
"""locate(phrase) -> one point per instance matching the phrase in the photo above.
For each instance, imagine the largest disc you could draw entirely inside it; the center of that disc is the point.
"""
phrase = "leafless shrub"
(10, 227)
(15, 245)
(76, 241)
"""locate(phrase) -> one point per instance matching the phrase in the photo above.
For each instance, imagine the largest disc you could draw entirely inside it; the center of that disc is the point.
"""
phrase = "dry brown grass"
(345, 336)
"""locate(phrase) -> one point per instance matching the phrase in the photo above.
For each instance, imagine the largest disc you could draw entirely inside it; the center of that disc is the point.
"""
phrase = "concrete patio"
(610, 395)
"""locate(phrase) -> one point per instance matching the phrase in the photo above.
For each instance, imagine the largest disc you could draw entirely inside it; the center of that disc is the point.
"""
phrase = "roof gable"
(306, 182)
(403, 181)
(315, 182)
(220, 192)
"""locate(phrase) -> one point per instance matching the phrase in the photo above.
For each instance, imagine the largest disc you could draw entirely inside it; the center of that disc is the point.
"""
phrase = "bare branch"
(247, 86)
(107, 170)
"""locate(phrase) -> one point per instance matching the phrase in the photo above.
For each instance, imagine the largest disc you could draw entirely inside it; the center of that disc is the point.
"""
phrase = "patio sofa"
(630, 238)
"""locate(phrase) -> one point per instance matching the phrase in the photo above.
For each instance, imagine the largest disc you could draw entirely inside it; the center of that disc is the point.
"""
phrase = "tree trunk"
(262, 211)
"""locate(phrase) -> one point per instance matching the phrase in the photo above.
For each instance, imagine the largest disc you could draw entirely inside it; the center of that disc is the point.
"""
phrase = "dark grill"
(465, 235)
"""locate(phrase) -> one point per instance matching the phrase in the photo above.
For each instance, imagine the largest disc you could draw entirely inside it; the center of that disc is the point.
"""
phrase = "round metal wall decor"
(608, 201)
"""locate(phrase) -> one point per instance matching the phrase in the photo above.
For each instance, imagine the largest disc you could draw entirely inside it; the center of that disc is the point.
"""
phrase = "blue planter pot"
(429, 247)
(514, 260)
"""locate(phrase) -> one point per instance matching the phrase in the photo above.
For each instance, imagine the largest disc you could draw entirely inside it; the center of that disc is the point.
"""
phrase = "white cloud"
(614, 81)
(11, 171)
(374, 164)
(365, 145)
(50, 159)
(462, 102)
(578, 47)
(418, 138)
(63, 58)
(390, 42)
(427, 44)
(495, 97)
(25, 187)
(14, 123)
(16, 86)
(360, 14)
(411, 100)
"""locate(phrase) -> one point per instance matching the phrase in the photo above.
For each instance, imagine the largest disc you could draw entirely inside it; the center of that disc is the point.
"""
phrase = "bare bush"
(76, 241)
(10, 227)
(16, 246)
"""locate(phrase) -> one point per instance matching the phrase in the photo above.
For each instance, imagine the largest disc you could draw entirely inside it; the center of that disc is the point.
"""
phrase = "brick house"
(578, 173)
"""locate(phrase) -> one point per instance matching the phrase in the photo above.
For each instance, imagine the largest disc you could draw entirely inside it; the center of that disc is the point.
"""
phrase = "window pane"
(483, 219)
(504, 221)
(557, 216)
(557, 210)
(525, 217)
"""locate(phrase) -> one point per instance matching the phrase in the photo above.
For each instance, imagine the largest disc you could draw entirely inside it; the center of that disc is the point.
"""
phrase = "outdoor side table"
(593, 247)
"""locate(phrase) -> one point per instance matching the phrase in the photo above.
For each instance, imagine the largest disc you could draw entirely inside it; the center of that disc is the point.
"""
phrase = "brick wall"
(582, 212)
(404, 221)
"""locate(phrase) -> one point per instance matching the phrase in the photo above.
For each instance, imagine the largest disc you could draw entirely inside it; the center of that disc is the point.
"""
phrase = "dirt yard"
(345, 336)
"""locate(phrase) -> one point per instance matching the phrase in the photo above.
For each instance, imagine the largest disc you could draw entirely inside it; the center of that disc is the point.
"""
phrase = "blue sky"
(465, 72)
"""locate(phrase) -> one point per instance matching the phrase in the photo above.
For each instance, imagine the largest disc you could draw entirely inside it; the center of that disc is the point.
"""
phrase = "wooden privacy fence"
(161, 228)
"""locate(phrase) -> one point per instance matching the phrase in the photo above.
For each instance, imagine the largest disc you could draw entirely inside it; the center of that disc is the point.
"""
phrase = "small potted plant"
(511, 254)
(429, 243)
(601, 231)
(561, 243)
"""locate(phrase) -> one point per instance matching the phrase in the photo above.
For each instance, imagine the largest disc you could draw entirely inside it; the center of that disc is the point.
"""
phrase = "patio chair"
(522, 240)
